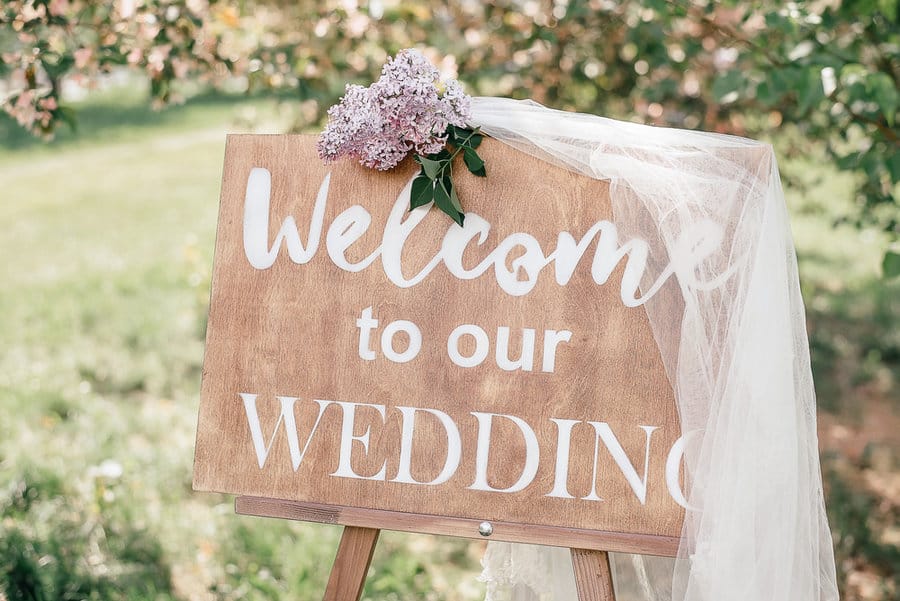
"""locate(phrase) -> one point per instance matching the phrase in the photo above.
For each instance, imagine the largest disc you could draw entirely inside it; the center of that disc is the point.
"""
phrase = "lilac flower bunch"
(409, 109)
(403, 111)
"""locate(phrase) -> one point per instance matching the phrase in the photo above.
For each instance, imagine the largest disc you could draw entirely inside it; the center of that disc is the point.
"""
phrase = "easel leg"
(593, 578)
(348, 575)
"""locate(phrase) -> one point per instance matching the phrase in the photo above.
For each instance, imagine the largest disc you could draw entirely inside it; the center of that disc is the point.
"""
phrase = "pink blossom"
(48, 103)
(401, 112)
(82, 57)
(26, 98)
(157, 58)
(25, 111)
(58, 7)
(180, 67)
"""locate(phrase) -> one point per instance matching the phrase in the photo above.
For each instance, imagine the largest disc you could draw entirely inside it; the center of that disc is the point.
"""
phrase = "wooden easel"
(260, 344)
(593, 577)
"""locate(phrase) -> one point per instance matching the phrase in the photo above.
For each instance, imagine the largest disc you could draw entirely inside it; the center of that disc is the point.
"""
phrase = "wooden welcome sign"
(377, 368)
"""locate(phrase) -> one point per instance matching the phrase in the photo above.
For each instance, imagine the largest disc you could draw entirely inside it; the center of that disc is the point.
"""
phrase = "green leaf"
(852, 73)
(430, 166)
(765, 94)
(443, 202)
(452, 136)
(422, 191)
(474, 162)
(893, 164)
(782, 81)
(727, 87)
(809, 90)
(885, 92)
(467, 138)
(660, 6)
(890, 266)
(451, 190)
(848, 161)
(781, 22)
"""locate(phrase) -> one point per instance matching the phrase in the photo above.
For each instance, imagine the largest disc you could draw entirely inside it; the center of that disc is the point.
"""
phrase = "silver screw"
(485, 529)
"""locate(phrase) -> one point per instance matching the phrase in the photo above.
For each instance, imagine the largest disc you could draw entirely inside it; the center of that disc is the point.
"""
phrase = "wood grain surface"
(291, 330)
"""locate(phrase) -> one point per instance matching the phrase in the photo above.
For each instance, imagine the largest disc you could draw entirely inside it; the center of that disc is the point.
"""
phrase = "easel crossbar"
(589, 549)
(554, 536)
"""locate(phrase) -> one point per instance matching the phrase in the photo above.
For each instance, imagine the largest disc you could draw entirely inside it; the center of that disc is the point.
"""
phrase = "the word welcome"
(693, 246)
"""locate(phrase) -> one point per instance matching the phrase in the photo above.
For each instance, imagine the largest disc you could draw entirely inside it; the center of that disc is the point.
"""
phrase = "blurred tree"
(45, 41)
(830, 69)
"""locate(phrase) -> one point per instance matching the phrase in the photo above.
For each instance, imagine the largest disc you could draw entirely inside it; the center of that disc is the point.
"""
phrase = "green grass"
(107, 246)
(107, 250)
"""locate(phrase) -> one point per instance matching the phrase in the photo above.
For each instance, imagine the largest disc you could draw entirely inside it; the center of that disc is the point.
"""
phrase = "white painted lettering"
(396, 231)
(481, 345)
(526, 358)
(256, 223)
(366, 324)
(694, 245)
(345, 470)
(482, 452)
(612, 444)
(561, 473)
(415, 341)
(673, 467)
(347, 228)
(457, 239)
(552, 338)
(290, 428)
(454, 446)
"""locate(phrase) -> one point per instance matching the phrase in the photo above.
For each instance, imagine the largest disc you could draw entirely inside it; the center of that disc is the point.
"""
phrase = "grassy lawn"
(108, 243)
(107, 246)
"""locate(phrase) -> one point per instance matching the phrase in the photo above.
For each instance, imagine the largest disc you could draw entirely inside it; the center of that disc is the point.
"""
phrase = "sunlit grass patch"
(107, 254)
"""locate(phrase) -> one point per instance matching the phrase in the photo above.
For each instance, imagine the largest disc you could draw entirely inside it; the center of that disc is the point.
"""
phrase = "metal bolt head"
(485, 529)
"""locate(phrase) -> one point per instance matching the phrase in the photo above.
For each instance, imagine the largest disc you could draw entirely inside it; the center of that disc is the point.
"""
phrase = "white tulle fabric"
(738, 361)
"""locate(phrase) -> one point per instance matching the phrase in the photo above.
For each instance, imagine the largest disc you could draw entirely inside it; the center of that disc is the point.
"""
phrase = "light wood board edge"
(554, 536)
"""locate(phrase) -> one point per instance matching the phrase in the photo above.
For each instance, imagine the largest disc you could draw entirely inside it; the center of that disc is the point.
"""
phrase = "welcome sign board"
(366, 357)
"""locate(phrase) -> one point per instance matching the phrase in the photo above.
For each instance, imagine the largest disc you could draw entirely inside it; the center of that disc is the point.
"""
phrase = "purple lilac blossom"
(401, 112)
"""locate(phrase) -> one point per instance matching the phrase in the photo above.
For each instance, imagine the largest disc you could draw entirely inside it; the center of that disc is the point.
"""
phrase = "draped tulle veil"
(738, 361)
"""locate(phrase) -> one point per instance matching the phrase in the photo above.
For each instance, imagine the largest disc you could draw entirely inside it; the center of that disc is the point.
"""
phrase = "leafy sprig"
(435, 180)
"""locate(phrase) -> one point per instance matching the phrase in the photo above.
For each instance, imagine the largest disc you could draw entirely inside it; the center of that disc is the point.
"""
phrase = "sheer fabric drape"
(738, 360)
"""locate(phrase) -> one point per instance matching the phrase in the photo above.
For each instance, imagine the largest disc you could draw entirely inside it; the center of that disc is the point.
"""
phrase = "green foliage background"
(830, 69)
